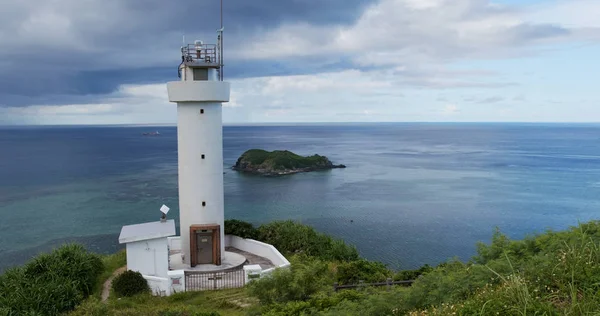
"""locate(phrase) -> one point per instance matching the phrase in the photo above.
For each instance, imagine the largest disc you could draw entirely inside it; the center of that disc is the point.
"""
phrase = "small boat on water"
(151, 133)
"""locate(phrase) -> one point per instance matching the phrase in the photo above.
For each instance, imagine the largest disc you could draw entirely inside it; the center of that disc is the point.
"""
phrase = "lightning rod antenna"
(221, 57)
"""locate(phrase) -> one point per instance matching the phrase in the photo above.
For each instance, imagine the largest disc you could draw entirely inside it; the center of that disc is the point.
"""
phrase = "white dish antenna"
(165, 209)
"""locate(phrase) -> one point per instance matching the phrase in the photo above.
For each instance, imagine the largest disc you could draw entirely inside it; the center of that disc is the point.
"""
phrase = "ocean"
(412, 193)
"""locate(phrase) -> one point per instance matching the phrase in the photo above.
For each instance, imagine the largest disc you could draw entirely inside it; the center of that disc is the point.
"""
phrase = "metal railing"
(204, 53)
(202, 281)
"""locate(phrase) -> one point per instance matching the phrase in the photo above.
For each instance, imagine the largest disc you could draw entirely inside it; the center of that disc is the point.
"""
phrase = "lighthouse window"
(202, 156)
(201, 111)
(200, 74)
(203, 203)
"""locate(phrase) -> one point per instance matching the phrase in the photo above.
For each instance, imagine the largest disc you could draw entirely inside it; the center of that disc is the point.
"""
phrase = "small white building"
(147, 249)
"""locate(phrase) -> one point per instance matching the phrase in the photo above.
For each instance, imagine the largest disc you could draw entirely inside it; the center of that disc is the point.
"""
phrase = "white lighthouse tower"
(187, 262)
(199, 96)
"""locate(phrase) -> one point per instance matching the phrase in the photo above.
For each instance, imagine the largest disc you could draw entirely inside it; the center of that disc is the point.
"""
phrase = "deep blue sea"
(412, 194)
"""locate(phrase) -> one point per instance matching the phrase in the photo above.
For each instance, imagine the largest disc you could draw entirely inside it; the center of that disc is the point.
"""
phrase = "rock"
(280, 162)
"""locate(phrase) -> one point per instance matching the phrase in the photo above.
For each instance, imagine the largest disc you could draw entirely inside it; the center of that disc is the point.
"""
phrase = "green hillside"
(554, 273)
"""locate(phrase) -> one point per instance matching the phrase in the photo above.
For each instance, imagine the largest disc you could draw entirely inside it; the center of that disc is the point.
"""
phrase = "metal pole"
(221, 40)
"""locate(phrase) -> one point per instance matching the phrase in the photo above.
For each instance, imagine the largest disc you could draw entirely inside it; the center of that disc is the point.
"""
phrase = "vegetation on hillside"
(240, 228)
(554, 273)
(291, 238)
(280, 162)
(51, 283)
(111, 263)
(231, 302)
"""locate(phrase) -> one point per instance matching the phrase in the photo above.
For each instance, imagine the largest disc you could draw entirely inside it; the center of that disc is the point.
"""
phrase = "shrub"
(367, 271)
(179, 311)
(52, 283)
(305, 277)
(376, 302)
(129, 283)
(412, 274)
(294, 238)
(240, 229)
(72, 262)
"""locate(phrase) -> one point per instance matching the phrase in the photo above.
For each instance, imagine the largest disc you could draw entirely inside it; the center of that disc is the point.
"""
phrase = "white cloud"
(131, 104)
(569, 13)
(450, 109)
(233, 102)
(405, 32)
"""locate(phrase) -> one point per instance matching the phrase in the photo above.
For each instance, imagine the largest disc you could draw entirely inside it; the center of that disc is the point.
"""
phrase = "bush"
(175, 311)
(240, 228)
(376, 303)
(305, 277)
(72, 262)
(130, 283)
(52, 283)
(362, 270)
(294, 238)
(412, 274)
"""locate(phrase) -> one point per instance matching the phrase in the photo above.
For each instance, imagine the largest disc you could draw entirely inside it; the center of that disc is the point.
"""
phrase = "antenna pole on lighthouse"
(221, 50)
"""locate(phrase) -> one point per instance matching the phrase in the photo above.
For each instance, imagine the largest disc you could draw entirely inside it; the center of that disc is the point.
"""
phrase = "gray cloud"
(65, 49)
(72, 51)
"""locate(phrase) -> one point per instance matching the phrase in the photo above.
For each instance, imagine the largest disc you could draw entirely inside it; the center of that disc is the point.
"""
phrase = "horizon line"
(304, 123)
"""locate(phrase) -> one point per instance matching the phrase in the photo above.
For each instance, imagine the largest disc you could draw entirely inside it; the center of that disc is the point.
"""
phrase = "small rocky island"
(280, 162)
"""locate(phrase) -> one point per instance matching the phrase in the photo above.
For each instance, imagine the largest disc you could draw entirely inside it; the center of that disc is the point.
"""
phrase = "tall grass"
(554, 273)
(50, 283)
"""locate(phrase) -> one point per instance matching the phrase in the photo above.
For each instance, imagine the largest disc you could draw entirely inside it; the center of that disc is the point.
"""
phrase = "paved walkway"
(106, 286)
(252, 258)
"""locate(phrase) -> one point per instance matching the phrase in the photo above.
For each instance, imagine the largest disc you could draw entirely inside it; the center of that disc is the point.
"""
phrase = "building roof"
(145, 231)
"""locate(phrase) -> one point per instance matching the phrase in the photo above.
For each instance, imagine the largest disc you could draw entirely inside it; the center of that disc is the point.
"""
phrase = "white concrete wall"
(149, 257)
(174, 243)
(159, 286)
(199, 132)
(198, 91)
(259, 248)
(177, 281)
(200, 180)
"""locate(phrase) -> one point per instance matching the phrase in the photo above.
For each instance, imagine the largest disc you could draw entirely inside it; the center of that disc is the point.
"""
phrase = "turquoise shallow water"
(412, 193)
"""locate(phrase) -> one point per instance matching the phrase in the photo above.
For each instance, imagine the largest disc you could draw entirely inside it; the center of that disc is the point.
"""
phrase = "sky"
(290, 61)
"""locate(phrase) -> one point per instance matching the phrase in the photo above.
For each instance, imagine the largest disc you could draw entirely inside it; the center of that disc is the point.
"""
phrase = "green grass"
(555, 273)
(111, 263)
(51, 283)
(224, 302)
